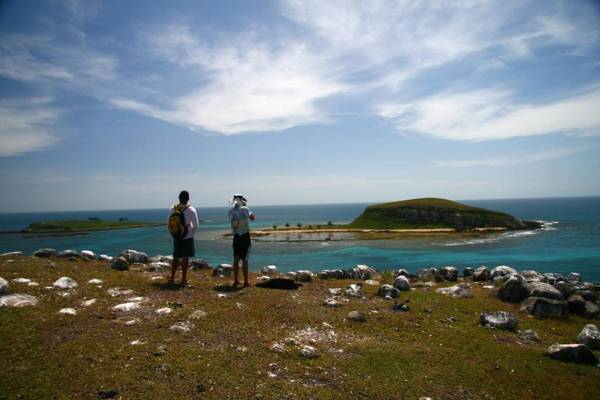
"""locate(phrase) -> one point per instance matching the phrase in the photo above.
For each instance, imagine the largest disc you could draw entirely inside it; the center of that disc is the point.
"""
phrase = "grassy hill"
(433, 213)
(92, 224)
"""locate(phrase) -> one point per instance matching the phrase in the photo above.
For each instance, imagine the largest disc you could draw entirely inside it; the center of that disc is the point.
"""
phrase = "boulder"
(87, 254)
(576, 304)
(104, 257)
(429, 274)
(95, 281)
(69, 254)
(402, 283)
(18, 300)
(499, 319)
(592, 310)
(468, 272)
(126, 307)
(515, 289)
(308, 352)
(590, 336)
(565, 288)
(157, 266)
(134, 256)
(223, 270)
(65, 283)
(12, 254)
(401, 271)
(552, 277)
(363, 272)
(541, 289)
(481, 274)
(332, 302)
(541, 307)
(119, 263)
(449, 273)
(182, 327)
(462, 290)
(269, 270)
(586, 294)
(195, 264)
(356, 316)
(304, 276)
(68, 311)
(353, 290)
(577, 353)
(45, 253)
(532, 276)
(574, 277)
(3, 287)
(502, 270)
(388, 291)
(530, 336)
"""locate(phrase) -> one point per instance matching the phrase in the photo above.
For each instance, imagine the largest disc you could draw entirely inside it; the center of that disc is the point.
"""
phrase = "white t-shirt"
(191, 220)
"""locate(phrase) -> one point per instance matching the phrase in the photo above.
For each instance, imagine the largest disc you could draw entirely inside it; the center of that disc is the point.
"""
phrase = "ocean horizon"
(569, 241)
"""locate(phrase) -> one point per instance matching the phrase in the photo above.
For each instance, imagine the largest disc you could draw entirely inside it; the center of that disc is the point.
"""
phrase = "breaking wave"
(546, 226)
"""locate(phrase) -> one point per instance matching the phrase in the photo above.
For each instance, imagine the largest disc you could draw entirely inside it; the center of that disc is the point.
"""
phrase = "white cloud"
(493, 114)
(513, 159)
(24, 126)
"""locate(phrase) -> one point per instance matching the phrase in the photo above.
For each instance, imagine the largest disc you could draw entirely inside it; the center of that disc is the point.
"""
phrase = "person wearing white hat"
(239, 218)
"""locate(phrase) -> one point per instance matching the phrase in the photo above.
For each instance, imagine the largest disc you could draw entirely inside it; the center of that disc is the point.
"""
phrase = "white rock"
(95, 281)
(308, 352)
(32, 283)
(269, 270)
(136, 342)
(183, 326)
(125, 307)
(221, 296)
(115, 292)
(21, 280)
(18, 300)
(87, 303)
(164, 311)
(277, 348)
(198, 314)
(65, 283)
(104, 257)
(138, 299)
(68, 311)
(12, 254)
(332, 302)
(88, 254)
(353, 290)
(335, 291)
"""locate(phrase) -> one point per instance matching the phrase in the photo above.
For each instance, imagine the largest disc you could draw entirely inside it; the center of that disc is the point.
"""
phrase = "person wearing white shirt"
(183, 248)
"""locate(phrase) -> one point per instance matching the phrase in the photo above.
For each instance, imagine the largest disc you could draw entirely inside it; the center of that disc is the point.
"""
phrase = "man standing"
(183, 222)
(239, 218)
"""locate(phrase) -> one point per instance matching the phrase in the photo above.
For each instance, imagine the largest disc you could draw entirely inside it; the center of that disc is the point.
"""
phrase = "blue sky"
(122, 104)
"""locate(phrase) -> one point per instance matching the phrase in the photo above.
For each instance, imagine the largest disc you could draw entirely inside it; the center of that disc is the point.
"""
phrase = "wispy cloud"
(493, 114)
(25, 126)
(515, 159)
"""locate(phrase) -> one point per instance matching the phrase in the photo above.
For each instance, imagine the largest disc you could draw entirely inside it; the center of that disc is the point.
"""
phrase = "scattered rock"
(332, 302)
(197, 264)
(164, 311)
(308, 352)
(552, 278)
(462, 290)
(157, 266)
(574, 277)
(21, 280)
(18, 300)
(104, 257)
(402, 283)
(269, 270)
(335, 291)
(515, 289)
(119, 263)
(499, 319)
(45, 253)
(277, 348)
(502, 270)
(363, 272)
(468, 272)
(198, 314)
(108, 394)
(532, 276)
(577, 353)
(95, 281)
(402, 272)
(541, 307)
(223, 270)
(541, 289)
(481, 274)
(87, 254)
(69, 254)
(3, 287)
(182, 327)
(530, 336)
(65, 283)
(449, 273)
(126, 307)
(590, 336)
(388, 291)
(592, 310)
(12, 254)
(68, 311)
(87, 303)
(353, 290)
(428, 274)
(134, 256)
(356, 316)
(401, 307)
(371, 282)
(116, 292)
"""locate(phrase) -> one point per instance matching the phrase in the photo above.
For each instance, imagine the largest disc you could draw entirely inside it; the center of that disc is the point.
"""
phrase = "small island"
(88, 225)
(409, 218)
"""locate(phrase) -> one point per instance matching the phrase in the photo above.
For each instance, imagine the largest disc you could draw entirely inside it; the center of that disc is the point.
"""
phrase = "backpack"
(177, 226)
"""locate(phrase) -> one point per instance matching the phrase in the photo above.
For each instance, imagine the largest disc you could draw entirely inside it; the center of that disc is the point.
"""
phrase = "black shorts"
(183, 248)
(241, 246)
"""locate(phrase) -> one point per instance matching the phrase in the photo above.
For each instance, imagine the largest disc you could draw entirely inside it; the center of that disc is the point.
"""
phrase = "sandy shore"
(264, 232)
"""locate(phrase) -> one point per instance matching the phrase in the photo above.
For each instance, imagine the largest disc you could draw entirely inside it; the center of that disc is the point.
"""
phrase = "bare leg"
(174, 268)
(245, 269)
(184, 269)
(236, 270)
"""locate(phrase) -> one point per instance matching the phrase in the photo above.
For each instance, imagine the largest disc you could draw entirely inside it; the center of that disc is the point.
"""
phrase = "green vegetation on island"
(91, 224)
(433, 213)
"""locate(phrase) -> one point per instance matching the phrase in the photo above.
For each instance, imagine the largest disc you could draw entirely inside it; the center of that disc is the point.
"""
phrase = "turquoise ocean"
(570, 240)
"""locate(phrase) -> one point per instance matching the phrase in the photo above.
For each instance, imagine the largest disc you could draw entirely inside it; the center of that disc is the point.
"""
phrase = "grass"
(83, 225)
(227, 356)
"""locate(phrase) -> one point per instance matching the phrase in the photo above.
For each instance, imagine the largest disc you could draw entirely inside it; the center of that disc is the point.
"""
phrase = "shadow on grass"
(168, 286)
(227, 288)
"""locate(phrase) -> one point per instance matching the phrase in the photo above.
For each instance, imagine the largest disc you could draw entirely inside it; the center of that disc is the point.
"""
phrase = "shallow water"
(570, 240)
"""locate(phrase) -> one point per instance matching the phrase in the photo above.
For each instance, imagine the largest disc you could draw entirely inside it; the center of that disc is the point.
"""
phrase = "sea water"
(569, 241)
